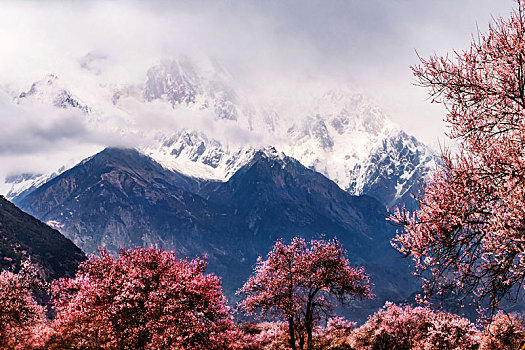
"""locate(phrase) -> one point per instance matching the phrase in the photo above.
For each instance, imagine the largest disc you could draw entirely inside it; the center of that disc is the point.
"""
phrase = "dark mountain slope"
(23, 236)
(121, 198)
(278, 198)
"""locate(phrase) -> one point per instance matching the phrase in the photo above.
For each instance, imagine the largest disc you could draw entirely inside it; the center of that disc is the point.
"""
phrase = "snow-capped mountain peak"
(21, 184)
(195, 154)
(335, 130)
(50, 90)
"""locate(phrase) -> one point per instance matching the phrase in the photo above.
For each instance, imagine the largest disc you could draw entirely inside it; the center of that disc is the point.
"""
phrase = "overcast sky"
(366, 43)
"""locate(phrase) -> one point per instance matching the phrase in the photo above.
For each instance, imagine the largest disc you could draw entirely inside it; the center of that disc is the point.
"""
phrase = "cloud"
(254, 38)
(38, 138)
(268, 46)
(154, 118)
(31, 128)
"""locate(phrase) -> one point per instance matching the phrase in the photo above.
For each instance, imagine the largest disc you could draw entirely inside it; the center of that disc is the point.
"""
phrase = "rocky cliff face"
(121, 198)
(23, 236)
(394, 171)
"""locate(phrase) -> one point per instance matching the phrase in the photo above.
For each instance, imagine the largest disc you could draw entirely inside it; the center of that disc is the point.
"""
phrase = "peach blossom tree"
(144, 298)
(19, 310)
(505, 332)
(467, 239)
(300, 282)
(415, 328)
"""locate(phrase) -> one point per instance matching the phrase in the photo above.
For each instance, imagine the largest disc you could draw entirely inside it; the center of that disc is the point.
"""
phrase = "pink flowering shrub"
(144, 298)
(262, 336)
(449, 331)
(505, 332)
(335, 335)
(274, 336)
(300, 282)
(418, 328)
(19, 311)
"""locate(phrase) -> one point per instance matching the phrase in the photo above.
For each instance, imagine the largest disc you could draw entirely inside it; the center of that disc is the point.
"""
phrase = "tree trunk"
(291, 332)
(309, 340)
(301, 342)
(308, 322)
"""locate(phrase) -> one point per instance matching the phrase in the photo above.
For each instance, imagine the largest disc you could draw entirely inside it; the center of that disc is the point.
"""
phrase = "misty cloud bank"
(271, 49)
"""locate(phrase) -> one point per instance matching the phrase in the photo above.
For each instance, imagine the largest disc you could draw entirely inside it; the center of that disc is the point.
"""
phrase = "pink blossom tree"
(300, 282)
(19, 310)
(505, 332)
(415, 328)
(468, 237)
(336, 334)
(144, 298)
(261, 336)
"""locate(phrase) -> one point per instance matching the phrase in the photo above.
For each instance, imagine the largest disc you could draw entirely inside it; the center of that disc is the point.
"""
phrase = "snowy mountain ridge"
(49, 90)
(26, 182)
(335, 131)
